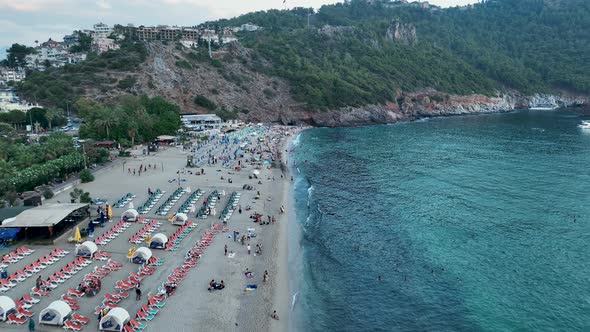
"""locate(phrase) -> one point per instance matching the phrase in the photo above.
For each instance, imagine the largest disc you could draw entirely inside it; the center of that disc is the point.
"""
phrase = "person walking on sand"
(31, 325)
(248, 248)
(275, 315)
(225, 250)
(137, 292)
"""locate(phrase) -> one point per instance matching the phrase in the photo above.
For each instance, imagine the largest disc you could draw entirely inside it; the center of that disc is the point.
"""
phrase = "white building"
(199, 122)
(188, 43)
(9, 101)
(46, 54)
(8, 96)
(210, 35)
(101, 45)
(9, 74)
(249, 27)
(101, 30)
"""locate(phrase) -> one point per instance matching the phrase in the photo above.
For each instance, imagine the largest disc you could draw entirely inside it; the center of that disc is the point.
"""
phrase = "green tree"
(85, 198)
(75, 194)
(106, 119)
(6, 130)
(51, 114)
(86, 176)
(15, 55)
(84, 43)
(132, 129)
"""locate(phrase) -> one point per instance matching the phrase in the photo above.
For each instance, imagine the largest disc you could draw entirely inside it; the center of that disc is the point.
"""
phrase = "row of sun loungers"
(112, 233)
(230, 207)
(15, 256)
(121, 202)
(169, 203)
(151, 201)
(190, 201)
(180, 233)
(29, 270)
(144, 231)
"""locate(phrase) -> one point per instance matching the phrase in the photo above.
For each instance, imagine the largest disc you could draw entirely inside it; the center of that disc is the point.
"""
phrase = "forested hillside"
(528, 45)
(348, 54)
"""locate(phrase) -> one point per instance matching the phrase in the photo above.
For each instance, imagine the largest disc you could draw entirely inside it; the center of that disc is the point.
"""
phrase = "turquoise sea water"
(475, 223)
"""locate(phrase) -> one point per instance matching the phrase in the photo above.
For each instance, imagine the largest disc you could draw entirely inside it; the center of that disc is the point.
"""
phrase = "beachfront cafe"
(48, 221)
(165, 140)
(201, 122)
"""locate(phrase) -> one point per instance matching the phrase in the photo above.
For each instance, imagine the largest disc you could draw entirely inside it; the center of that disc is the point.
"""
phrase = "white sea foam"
(296, 140)
(293, 300)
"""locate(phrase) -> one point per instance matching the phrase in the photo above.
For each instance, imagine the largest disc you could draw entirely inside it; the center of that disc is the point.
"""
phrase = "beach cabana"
(158, 241)
(86, 249)
(141, 255)
(130, 215)
(179, 219)
(114, 320)
(55, 314)
(7, 306)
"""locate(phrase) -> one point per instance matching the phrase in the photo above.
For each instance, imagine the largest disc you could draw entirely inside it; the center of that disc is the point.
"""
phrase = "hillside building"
(200, 122)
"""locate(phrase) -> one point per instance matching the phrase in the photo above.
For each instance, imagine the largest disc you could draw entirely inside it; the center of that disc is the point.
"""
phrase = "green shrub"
(183, 64)
(86, 176)
(85, 198)
(205, 102)
(216, 63)
(47, 193)
(127, 83)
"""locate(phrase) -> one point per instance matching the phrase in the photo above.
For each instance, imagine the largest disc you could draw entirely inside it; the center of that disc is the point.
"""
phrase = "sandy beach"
(193, 307)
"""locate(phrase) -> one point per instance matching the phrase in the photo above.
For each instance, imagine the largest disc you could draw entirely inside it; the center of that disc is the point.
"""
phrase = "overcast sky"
(24, 21)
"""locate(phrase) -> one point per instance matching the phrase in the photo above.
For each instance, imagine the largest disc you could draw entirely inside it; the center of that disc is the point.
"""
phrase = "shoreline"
(282, 292)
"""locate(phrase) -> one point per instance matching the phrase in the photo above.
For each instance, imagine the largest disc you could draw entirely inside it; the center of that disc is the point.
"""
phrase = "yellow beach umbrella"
(77, 235)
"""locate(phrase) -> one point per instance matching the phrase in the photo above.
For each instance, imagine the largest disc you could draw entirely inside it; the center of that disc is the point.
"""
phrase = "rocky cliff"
(401, 32)
(179, 75)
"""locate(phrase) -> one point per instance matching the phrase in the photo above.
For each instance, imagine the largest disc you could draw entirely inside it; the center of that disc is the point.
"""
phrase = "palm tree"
(51, 114)
(106, 120)
(132, 131)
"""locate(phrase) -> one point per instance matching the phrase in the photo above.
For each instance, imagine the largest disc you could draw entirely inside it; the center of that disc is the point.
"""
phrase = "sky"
(24, 21)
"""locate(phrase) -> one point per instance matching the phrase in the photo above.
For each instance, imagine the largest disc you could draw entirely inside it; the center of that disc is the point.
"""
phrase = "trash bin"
(4, 274)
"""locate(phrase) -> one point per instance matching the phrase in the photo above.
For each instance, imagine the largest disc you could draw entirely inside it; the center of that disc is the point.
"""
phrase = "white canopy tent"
(158, 241)
(86, 249)
(114, 320)
(130, 215)
(7, 306)
(141, 255)
(55, 314)
(180, 219)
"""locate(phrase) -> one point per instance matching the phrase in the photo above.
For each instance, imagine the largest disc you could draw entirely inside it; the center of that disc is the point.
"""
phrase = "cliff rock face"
(400, 32)
(421, 104)
(178, 76)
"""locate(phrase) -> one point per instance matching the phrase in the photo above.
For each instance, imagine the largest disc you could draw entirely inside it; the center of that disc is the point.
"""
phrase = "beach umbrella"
(77, 235)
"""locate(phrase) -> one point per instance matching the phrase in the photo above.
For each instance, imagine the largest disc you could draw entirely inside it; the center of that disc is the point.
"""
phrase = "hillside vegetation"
(527, 45)
(352, 54)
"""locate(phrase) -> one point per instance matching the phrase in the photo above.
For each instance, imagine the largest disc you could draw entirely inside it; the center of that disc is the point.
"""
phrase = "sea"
(470, 223)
